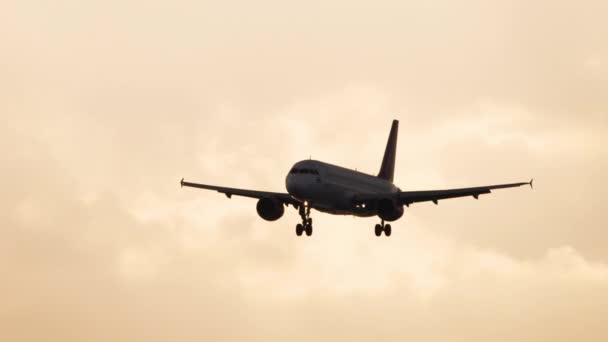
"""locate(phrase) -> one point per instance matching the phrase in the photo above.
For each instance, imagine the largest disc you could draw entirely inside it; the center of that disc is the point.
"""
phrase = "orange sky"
(107, 104)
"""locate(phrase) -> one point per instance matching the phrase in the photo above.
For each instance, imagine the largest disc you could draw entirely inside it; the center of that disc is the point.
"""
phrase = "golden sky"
(105, 105)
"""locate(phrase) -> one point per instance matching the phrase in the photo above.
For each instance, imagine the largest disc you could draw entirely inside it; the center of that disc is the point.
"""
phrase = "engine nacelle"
(389, 210)
(270, 209)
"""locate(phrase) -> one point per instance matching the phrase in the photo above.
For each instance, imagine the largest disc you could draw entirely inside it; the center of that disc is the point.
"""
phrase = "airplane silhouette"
(340, 191)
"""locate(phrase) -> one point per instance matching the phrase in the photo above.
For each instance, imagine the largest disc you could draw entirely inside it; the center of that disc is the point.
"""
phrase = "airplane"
(312, 184)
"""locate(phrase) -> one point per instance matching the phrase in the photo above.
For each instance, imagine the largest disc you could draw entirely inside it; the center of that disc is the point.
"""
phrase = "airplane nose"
(291, 185)
(296, 186)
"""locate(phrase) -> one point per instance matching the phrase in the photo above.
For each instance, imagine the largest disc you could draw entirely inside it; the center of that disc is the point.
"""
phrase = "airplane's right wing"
(409, 197)
(283, 197)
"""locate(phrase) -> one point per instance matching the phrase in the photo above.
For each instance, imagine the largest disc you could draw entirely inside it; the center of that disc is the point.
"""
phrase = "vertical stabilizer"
(387, 169)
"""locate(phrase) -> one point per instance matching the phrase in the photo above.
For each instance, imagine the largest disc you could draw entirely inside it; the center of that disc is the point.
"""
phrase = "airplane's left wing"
(283, 197)
(409, 197)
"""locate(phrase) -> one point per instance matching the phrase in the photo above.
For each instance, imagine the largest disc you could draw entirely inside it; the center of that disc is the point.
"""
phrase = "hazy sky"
(105, 105)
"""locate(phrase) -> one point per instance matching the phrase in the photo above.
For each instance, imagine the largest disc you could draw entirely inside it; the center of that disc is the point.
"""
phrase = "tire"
(308, 230)
(387, 230)
(299, 229)
(378, 230)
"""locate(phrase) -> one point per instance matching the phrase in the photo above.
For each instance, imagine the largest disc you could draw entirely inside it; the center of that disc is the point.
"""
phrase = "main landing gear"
(306, 225)
(386, 228)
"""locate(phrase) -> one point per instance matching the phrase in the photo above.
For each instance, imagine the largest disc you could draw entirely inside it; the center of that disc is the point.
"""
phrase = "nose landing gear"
(306, 225)
(386, 228)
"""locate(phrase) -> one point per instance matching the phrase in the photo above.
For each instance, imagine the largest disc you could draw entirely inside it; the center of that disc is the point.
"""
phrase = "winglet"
(531, 183)
(181, 183)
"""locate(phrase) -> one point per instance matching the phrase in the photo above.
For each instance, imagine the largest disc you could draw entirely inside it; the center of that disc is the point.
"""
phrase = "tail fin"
(387, 169)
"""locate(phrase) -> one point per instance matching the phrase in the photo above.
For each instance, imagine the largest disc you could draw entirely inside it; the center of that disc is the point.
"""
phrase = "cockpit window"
(304, 171)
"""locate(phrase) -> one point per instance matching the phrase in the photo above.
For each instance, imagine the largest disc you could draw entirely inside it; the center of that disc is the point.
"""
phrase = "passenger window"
(294, 170)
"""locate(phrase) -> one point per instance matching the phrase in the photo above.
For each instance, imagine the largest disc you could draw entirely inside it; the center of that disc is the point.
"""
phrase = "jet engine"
(389, 209)
(270, 209)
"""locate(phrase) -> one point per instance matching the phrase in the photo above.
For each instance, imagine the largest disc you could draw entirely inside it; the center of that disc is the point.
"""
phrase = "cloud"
(97, 269)
(106, 108)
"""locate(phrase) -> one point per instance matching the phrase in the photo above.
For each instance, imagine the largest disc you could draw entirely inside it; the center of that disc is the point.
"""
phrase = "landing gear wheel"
(387, 230)
(299, 229)
(378, 230)
(308, 230)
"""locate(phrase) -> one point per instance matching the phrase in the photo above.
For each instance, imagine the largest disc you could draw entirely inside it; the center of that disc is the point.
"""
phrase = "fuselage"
(332, 189)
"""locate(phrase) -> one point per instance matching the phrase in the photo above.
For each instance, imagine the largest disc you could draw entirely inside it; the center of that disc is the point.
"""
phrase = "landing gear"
(386, 228)
(306, 225)
(308, 228)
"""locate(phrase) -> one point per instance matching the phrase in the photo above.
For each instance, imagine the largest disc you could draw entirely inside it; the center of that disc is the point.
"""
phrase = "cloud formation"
(106, 106)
